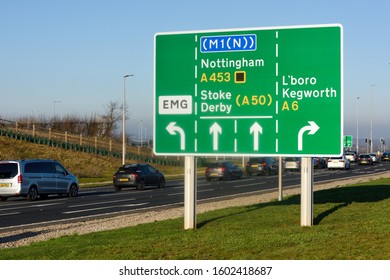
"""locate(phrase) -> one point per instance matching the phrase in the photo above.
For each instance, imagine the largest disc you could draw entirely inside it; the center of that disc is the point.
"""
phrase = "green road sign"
(266, 91)
(348, 141)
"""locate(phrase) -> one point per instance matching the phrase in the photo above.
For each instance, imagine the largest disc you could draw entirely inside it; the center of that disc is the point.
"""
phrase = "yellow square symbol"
(240, 77)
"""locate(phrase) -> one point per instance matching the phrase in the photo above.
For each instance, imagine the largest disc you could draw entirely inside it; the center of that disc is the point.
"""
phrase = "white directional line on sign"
(312, 128)
(256, 129)
(236, 117)
(215, 129)
(172, 128)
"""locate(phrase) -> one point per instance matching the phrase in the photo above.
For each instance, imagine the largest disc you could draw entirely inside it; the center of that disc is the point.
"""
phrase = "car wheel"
(161, 183)
(229, 176)
(118, 189)
(32, 194)
(73, 191)
(141, 185)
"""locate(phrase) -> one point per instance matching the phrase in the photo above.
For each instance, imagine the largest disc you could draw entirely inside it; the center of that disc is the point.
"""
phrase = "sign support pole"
(307, 191)
(190, 190)
(280, 197)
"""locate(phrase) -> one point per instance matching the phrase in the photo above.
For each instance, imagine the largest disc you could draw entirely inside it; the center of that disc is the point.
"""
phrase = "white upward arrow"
(312, 128)
(256, 129)
(215, 129)
(172, 129)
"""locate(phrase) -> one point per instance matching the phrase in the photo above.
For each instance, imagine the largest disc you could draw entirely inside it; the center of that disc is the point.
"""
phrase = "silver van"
(33, 178)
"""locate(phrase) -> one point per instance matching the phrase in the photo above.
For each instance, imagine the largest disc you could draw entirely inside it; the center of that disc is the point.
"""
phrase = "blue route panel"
(228, 43)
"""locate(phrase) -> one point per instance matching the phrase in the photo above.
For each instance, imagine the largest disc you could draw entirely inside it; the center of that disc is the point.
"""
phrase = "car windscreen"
(215, 165)
(8, 170)
(128, 169)
(256, 160)
(364, 156)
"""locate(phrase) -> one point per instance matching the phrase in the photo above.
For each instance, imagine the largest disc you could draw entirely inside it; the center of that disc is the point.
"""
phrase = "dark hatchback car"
(385, 156)
(365, 159)
(262, 166)
(319, 162)
(222, 170)
(139, 176)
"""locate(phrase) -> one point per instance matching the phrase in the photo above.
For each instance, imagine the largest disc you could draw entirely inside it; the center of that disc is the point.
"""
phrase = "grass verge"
(351, 222)
(90, 169)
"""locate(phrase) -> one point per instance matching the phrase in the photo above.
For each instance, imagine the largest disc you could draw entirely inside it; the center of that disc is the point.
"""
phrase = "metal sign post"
(190, 188)
(307, 191)
(280, 196)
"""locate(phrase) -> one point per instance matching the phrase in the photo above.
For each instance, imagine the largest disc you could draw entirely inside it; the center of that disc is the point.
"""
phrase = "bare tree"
(104, 125)
(111, 118)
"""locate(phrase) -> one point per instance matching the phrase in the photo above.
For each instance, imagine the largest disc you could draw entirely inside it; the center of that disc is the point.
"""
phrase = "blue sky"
(77, 51)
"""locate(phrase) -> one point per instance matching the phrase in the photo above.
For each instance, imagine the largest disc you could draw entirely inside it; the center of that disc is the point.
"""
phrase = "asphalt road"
(104, 201)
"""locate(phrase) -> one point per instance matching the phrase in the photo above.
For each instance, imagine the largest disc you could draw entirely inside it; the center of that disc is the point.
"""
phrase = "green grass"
(351, 222)
(88, 168)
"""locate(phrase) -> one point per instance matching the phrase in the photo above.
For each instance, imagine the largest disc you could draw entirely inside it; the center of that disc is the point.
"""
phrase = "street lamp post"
(372, 93)
(357, 125)
(124, 119)
(140, 133)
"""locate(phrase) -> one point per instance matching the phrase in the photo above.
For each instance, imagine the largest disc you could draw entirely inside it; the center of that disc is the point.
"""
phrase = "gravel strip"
(24, 237)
